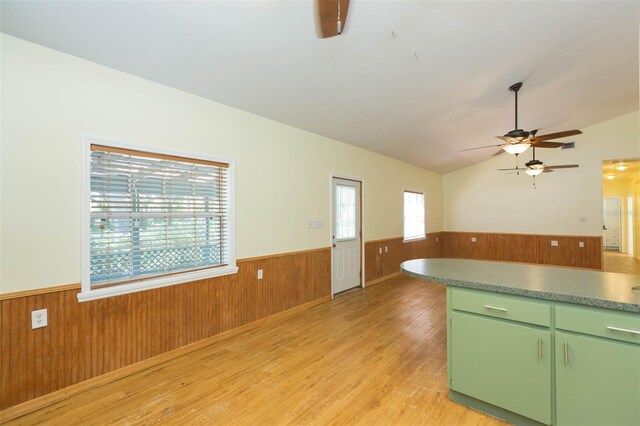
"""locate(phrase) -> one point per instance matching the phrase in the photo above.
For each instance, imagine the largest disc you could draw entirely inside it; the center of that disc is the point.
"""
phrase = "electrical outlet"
(581, 244)
(38, 318)
(554, 243)
(473, 239)
(260, 274)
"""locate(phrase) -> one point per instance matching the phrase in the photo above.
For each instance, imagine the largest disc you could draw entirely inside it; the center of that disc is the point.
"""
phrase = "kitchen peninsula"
(540, 345)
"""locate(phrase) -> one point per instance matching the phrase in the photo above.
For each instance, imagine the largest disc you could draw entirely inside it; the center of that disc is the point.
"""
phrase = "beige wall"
(636, 215)
(50, 99)
(567, 202)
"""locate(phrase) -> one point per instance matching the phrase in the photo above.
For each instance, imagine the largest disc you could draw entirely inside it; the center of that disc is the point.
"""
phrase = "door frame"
(331, 206)
(620, 219)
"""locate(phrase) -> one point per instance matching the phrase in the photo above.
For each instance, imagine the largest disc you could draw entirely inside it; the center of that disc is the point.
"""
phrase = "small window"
(413, 215)
(345, 212)
(154, 219)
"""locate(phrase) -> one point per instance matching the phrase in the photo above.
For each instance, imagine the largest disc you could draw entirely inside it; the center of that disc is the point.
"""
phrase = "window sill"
(412, 239)
(150, 284)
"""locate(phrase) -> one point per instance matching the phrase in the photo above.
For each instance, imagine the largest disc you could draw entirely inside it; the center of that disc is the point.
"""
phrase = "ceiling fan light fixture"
(611, 177)
(534, 172)
(621, 167)
(516, 148)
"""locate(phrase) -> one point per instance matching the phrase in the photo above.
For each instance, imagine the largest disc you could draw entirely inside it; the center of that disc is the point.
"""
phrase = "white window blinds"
(153, 215)
(413, 215)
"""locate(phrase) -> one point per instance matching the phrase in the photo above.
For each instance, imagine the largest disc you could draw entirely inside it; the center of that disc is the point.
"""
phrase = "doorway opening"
(346, 234)
(621, 222)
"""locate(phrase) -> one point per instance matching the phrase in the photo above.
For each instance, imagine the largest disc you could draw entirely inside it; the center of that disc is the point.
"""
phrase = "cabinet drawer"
(624, 326)
(501, 306)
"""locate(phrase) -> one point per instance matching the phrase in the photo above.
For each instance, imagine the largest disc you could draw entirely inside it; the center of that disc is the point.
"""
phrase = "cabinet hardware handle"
(626, 330)
(539, 347)
(495, 308)
(566, 352)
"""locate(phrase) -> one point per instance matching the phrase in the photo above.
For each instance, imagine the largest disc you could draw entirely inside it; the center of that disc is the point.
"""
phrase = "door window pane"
(345, 212)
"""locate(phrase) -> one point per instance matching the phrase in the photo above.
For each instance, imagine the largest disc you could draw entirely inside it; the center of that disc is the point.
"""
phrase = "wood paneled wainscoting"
(383, 257)
(525, 248)
(85, 340)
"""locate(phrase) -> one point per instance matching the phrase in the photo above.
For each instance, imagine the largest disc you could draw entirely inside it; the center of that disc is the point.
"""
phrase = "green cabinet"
(528, 360)
(504, 363)
(597, 381)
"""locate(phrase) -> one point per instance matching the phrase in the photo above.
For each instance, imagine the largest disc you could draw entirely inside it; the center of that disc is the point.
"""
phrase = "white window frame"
(86, 292)
(424, 217)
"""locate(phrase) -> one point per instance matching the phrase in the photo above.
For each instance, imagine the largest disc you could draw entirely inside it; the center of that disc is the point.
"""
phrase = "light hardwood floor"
(373, 356)
(621, 262)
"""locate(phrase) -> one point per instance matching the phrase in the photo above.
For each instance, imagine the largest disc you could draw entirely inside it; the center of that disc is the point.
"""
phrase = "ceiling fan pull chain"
(339, 21)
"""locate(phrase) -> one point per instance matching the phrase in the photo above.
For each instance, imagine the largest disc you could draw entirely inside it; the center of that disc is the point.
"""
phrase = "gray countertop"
(602, 289)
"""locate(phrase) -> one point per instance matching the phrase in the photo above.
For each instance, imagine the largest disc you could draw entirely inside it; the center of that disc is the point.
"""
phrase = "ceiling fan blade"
(547, 144)
(546, 170)
(481, 147)
(521, 169)
(326, 17)
(562, 166)
(557, 135)
(500, 152)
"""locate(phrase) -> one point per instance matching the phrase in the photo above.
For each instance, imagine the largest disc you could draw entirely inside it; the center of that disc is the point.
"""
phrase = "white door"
(611, 227)
(346, 234)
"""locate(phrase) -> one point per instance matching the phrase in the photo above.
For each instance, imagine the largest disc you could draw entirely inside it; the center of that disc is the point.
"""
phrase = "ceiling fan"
(518, 141)
(330, 17)
(535, 167)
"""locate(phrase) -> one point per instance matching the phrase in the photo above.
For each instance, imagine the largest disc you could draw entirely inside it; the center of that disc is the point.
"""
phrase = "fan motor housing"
(518, 134)
(533, 163)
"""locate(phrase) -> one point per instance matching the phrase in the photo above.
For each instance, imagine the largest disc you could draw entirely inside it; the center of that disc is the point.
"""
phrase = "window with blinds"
(155, 215)
(413, 215)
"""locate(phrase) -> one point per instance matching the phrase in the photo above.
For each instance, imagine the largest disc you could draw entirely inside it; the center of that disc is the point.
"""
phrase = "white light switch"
(581, 244)
(380, 250)
(554, 243)
(473, 239)
(314, 224)
(259, 274)
(386, 249)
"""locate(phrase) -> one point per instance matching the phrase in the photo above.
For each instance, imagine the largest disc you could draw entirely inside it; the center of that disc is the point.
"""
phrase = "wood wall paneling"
(383, 257)
(525, 248)
(85, 340)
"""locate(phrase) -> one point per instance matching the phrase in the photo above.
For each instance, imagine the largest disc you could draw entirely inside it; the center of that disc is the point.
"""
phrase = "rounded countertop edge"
(554, 297)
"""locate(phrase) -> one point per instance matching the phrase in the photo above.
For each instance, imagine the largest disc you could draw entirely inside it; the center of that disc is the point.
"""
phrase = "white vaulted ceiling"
(417, 81)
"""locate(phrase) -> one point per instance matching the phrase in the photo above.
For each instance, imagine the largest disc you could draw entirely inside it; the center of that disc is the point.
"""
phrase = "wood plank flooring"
(621, 262)
(372, 356)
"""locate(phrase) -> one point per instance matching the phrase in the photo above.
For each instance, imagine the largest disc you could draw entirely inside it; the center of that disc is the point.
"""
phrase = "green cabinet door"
(597, 381)
(503, 363)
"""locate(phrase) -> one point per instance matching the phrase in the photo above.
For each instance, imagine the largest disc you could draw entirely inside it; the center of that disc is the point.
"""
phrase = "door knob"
(334, 245)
